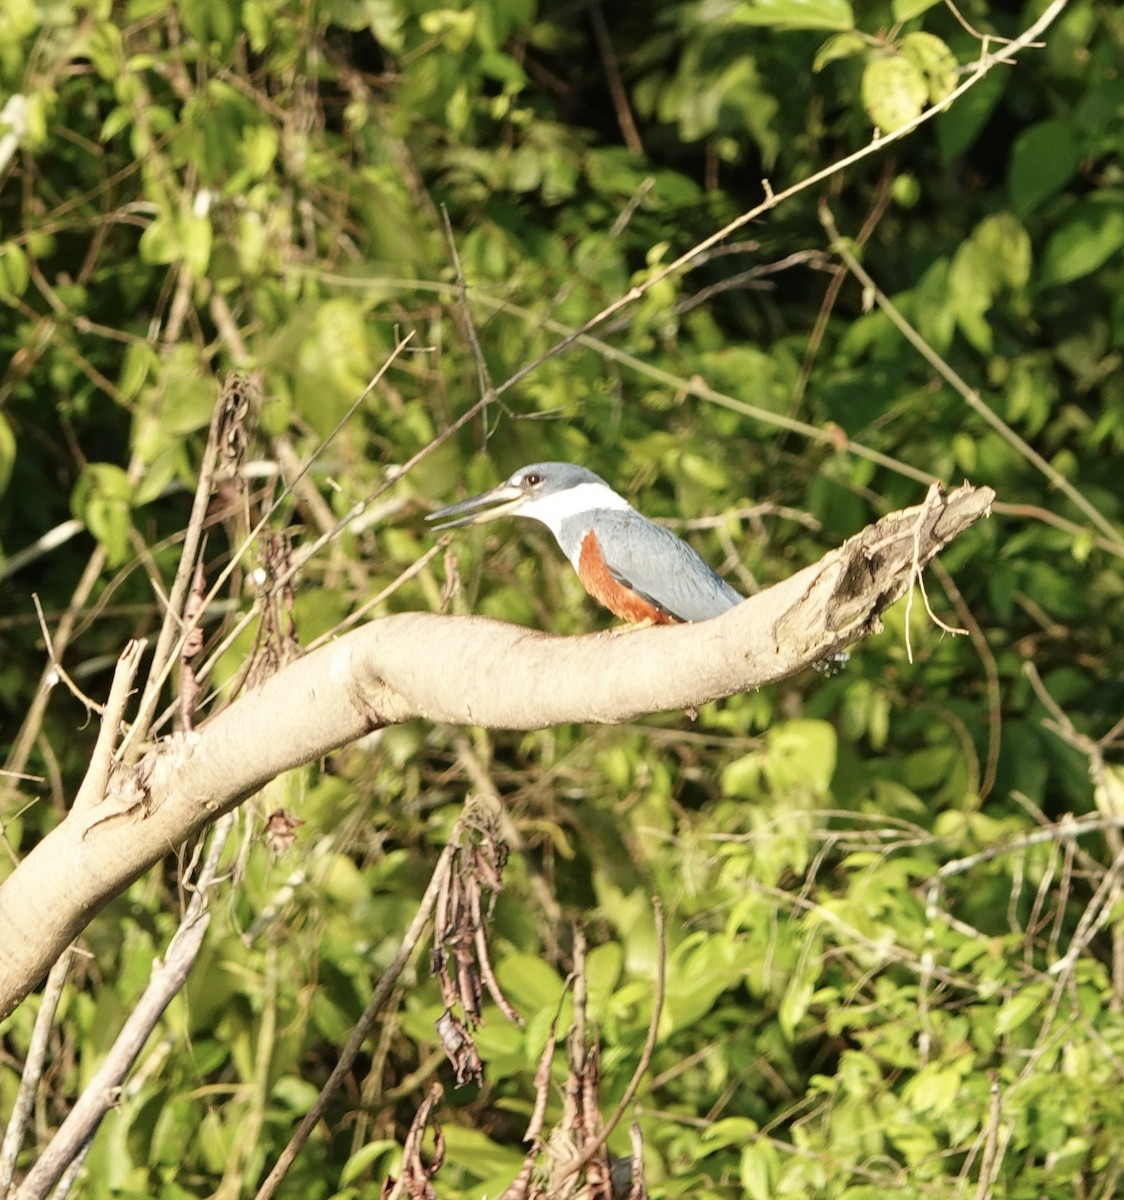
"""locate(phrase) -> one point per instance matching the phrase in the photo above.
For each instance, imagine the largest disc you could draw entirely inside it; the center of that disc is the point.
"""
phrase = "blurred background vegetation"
(894, 951)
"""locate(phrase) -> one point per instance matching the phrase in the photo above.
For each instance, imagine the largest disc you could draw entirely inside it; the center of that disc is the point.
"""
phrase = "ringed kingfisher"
(638, 570)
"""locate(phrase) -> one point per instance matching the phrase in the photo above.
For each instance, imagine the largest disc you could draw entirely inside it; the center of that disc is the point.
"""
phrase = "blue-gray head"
(550, 492)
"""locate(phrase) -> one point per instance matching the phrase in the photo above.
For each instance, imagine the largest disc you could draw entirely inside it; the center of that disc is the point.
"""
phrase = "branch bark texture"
(459, 670)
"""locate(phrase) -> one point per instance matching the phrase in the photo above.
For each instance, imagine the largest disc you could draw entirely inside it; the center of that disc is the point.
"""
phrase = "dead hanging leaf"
(192, 645)
(460, 1049)
(571, 1161)
(416, 1181)
(240, 393)
(636, 1188)
(452, 584)
(460, 957)
(277, 641)
(281, 831)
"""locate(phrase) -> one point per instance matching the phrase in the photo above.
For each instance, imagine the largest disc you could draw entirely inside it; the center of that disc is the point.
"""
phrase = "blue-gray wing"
(657, 565)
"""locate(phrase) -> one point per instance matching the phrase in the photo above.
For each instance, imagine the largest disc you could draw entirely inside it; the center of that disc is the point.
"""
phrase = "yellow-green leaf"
(894, 92)
(934, 60)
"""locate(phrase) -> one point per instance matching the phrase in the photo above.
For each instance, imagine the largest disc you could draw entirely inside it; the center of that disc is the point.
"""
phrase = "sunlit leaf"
(841, 45)
(14, 270)
(759, 1169)
(102, 498)
(7, 453)
(894, 92)
(1018, 1010)
(796, 14)
(934, 60)
(906, 10)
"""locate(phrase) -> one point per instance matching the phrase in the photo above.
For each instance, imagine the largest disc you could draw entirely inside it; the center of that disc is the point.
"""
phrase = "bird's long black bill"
(486, 507)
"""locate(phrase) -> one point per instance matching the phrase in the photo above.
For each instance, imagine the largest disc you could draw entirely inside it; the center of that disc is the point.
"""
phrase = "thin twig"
(683, 385)
(96, 779)
(32, 1069)
(358, 614)
(164, 655)
(931, 501)
(1067, 828)
(64, 631)
(620, 223)
(838, 273)
(44, 544)
(1098, 912)
(87, 702)
(1103, 795)
(991, 674)
(617, 90)
(990, 1164)
(483, 378)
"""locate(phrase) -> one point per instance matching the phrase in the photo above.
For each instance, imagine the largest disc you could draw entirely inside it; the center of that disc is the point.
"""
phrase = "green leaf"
(159, 244)
(893, 92)
(7, 453)
(259, 149)
(906, 10)
(476, 1153)
(934, 60)
(20, 19)
(744, 776)
(118, 120)
(101, 500)
(159, 472)
(935, 1087)
(795, 14)
(529, 982)
(454, 29)
(364, 1158)
(1108, 795)
(1044, 158)
(801, 755)
(840, 45)
(139, 361)
(1019, 1009)
(1091, 233)
(759, 1170)
(14, 270)
(729, 1131)
(994, 261)
(1003, 239)
(603, 970)
(906, 190)
(794, 1005)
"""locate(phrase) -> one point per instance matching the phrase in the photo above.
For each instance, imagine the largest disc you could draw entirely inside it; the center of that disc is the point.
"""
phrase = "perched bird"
(638, 570)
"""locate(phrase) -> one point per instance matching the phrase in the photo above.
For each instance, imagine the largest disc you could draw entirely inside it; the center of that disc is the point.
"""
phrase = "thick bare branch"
(461, 670)
(103, 1090)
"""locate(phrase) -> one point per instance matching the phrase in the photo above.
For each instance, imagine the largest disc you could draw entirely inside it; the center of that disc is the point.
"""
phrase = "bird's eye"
(532, 480)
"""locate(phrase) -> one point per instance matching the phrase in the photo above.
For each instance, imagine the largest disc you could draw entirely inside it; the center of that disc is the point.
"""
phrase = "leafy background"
(894, 957)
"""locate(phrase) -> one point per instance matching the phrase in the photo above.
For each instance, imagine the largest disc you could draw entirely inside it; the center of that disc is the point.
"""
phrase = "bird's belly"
(621, 601)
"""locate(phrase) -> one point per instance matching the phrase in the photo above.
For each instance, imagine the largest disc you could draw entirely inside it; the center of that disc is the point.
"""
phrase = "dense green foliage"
(893, 961)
